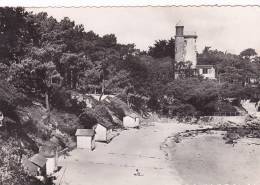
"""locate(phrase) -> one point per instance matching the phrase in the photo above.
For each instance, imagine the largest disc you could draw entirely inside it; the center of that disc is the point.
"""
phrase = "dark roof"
(106, 124)
(29, 166)
(39, 160)
(132, 114)
(127, 111)
(120, 103)
(85, 132)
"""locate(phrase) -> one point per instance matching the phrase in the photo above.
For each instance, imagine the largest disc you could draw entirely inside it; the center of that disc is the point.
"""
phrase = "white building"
(185, 46)
(207, 71)
(40, 164)
(50, 153)
(186, 53)
(35, 166)
(1, 119)
(131, 121)
(85, 139)
(103, 131)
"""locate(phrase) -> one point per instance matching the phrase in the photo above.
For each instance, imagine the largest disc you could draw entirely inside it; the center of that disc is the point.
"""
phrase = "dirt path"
(115, 163)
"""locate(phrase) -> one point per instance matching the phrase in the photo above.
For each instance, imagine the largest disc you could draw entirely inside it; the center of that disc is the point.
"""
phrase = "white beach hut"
(1, 119)
(40, 162)
(50, 153)
(85, 138)
(103, 131)
(131, 121)
(31, 168)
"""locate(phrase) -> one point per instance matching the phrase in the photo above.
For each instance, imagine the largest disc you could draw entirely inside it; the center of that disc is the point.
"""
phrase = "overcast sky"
(223, 28)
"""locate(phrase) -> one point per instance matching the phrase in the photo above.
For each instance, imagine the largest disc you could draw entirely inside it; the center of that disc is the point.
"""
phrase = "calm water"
(206, 159)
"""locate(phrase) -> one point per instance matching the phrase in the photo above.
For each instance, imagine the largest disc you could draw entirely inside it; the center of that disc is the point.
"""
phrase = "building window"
(205, 71)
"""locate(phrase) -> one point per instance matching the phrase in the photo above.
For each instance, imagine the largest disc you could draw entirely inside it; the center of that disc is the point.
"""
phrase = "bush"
(61, 99)
(67, 122)
(102, 112)
(10, 98)
(11, 170)
(225, 107)
(118, 107)
(181, 110)
(88, 118)
(118, 111)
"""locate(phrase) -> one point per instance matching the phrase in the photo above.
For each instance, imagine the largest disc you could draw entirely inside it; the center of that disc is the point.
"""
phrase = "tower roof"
(180, 23)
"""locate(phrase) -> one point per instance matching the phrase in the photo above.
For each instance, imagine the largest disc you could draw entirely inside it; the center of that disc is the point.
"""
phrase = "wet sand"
(206, 159)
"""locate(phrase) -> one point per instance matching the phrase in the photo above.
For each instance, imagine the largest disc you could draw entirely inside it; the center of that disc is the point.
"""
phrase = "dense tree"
(36, 74)
(193, 91)
(40, 51)
(230, 67)
(162, 48)
(248, 53)
(84, 60)
(17, 30)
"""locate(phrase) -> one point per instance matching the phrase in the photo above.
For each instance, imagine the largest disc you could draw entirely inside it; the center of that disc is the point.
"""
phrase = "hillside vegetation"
(44, 61)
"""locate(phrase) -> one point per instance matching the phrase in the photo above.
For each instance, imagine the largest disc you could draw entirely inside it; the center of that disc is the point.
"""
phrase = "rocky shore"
(216, 153)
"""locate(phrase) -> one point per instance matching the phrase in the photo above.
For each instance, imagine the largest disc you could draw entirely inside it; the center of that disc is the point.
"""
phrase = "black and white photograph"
(130, 95)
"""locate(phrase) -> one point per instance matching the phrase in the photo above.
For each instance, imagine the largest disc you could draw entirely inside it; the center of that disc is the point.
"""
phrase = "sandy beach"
(206, 159)
(115, 163)
(201, 159)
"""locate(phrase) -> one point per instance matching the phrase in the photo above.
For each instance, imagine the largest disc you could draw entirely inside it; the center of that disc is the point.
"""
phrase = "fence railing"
(190, 116)
(226, 114)
(211, 114)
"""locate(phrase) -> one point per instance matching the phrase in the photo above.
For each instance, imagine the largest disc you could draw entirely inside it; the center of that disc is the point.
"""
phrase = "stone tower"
(185, 46)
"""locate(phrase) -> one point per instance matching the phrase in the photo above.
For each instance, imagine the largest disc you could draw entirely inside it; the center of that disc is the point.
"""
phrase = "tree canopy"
(163, 48)
(40, 55)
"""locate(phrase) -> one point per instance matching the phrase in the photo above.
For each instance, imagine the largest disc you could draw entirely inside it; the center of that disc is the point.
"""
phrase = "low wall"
(222, 119)
(156, 118)
(207, 120)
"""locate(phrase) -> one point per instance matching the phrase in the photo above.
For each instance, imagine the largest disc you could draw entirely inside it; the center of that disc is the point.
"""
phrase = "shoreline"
(132, 149)
(165, 144)
(149, 149)
(204, 156)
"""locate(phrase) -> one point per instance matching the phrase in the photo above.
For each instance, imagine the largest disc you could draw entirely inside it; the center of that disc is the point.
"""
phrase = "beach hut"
(1, 119)
(85, 138)
(35, 166)
(131, 121)
(50, 153)
(103, 131)
(30, 168)
(40, 161)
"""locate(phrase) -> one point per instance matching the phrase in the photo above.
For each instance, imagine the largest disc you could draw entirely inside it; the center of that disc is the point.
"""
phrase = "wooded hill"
(42, 61)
